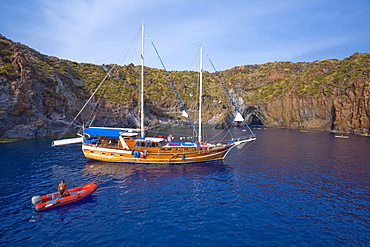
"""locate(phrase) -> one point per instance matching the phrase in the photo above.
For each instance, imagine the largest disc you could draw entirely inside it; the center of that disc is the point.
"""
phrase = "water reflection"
(121, 170)
(288, 187)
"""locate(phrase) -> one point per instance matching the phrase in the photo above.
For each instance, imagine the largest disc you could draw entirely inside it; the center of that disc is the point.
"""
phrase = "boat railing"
(173, 143)
(107, 144)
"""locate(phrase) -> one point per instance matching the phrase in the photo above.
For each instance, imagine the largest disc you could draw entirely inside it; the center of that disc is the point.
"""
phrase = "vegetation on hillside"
(264, 82)
(256, 84)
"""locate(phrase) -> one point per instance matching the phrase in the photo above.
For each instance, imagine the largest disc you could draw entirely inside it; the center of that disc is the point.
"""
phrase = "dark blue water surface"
(286, 189)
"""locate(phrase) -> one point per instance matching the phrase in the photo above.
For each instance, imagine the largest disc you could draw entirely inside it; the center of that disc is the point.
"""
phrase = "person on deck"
(62, 188)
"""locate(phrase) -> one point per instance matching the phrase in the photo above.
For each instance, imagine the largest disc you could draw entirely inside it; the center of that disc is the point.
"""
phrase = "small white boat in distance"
(341, 136)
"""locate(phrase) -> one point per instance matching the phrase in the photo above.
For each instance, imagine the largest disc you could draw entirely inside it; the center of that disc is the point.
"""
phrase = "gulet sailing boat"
(128, 145)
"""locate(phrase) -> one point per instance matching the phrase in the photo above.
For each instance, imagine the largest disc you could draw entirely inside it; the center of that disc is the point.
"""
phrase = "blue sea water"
(288, 188)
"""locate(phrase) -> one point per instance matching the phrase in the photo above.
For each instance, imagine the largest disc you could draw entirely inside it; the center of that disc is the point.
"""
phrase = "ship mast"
(142, 83)
(200, 94)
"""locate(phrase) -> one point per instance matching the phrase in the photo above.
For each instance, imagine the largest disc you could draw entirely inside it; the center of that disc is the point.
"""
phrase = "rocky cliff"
(42, 96)
(329, 95)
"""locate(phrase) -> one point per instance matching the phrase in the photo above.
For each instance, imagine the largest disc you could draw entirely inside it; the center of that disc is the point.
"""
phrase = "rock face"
(42, 96)
(327, 95)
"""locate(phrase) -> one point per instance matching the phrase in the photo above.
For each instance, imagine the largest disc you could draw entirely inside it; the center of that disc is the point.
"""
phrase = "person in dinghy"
(62, 188)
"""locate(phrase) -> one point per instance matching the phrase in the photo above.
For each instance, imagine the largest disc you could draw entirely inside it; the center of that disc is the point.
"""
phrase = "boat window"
(121, 155)
(194, 149)
(151, 144)
(169, 148)
(102, 153)
(91, 151)
(111, 154)
(162, 149)
(146, 144)
(186, 149)
(177, 149)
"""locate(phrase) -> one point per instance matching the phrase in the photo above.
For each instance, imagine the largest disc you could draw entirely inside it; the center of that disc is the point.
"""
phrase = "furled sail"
(239, 118)
(184, 114)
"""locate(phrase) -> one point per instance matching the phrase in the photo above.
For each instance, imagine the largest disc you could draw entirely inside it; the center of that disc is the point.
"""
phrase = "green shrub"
(5, 53)
(5, 69)
(4, 42)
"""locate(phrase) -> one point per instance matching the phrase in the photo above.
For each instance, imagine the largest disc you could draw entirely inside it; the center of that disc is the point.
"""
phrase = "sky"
(232, 33)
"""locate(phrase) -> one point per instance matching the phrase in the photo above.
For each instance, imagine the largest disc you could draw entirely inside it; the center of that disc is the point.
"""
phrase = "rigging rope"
(173, 86)
(228, 94)
(131, 44)
(101, 83)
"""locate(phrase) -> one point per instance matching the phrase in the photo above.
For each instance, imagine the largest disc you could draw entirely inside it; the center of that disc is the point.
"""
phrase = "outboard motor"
(36, 200)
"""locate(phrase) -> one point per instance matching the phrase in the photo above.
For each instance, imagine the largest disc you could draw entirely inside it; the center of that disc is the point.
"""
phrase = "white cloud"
(82, 30)
(233, 33)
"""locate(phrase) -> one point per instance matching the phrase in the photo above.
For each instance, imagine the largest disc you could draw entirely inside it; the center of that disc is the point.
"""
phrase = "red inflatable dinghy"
(54, 200)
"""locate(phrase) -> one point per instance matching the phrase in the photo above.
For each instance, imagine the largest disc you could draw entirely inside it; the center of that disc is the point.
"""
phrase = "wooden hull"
(164, 155)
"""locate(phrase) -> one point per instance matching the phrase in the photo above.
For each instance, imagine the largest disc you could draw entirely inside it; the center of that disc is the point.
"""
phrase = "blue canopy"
(99, 131)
